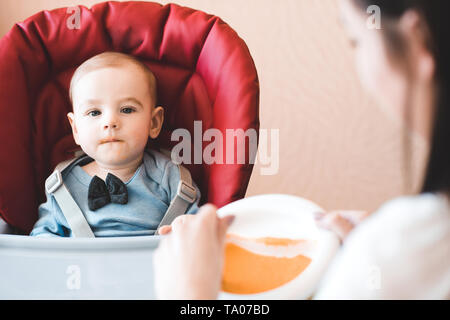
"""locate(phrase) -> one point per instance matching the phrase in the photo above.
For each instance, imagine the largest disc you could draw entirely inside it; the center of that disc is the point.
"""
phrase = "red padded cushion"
(204, 72)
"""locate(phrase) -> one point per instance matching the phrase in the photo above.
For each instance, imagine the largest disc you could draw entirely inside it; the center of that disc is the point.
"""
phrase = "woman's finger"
(354, 216)
(164, 230)
(224, 224)
(337, 224)
(180, 221)
(207, 211)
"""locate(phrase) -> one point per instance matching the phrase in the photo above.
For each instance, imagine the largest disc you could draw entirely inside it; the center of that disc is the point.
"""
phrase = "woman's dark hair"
(436, 16)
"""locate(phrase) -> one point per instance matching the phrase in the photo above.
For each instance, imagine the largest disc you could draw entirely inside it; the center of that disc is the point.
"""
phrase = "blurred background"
(337, 148)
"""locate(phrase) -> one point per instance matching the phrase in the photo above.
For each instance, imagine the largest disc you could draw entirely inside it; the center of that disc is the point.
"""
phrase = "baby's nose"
(110, 126)
(111, 122)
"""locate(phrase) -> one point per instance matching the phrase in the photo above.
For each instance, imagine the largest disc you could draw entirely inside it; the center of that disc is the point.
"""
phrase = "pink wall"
(336, 147)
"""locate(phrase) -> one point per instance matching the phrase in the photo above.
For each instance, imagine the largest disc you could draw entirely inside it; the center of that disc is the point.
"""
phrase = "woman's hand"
(188, 263)
(340, 222)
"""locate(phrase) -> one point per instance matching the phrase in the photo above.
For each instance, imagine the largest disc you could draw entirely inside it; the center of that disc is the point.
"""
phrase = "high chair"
(204, 72)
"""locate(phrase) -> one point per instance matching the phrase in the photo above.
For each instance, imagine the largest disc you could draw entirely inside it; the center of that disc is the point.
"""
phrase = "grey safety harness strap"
(54, 185)
(75, 218)
(186, 194)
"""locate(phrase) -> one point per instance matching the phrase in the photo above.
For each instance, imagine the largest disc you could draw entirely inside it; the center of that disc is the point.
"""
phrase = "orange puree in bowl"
(267, 240)
(246, 272)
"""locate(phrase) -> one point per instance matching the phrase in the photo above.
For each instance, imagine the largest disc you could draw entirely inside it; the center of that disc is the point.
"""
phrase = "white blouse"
(400, 252)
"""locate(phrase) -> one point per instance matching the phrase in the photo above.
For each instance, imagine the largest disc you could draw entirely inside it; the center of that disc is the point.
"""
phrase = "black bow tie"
(101, 193)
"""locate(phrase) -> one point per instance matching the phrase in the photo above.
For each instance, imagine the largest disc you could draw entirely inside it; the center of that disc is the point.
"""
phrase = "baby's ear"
(156, 122)
(71, 118)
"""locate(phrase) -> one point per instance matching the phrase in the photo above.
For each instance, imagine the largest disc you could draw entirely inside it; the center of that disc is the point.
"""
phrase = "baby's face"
(114, 115)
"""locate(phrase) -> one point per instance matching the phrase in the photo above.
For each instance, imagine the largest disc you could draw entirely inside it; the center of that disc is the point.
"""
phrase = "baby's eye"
(128, 110)
(94, 113)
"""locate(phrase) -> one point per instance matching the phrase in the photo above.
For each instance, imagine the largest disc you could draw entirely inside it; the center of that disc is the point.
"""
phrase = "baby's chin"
(117, 158)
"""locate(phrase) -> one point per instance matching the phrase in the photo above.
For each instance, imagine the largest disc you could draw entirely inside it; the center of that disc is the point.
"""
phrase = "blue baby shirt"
(150, 192)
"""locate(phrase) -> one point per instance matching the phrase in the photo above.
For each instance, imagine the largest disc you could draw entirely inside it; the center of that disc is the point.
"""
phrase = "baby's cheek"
(88, 142)
(140, 134)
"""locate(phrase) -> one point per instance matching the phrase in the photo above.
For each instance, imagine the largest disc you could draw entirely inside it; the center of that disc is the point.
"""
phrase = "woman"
(402, 251)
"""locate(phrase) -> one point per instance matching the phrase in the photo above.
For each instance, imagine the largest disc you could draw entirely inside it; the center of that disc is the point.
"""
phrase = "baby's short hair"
(113, 59)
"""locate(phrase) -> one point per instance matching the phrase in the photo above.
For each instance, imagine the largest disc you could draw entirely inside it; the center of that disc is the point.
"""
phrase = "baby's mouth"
(109, 140)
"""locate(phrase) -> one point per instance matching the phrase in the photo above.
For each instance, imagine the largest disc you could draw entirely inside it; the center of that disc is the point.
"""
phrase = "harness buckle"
(53, 182)
(186, 192)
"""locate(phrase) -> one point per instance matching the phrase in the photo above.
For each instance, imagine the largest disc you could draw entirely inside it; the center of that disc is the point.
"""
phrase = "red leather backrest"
(204, 72)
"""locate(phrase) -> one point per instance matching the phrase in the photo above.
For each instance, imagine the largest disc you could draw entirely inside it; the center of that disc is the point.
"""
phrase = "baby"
(114, 113)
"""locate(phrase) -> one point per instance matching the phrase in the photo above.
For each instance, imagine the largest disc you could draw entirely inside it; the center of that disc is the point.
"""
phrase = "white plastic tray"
(67, 268)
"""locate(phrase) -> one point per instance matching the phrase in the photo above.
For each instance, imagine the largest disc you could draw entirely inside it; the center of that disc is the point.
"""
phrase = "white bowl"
(286, 217)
